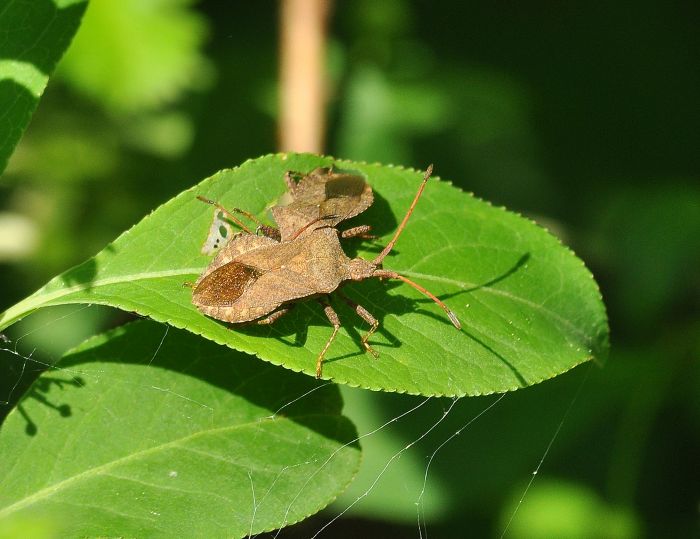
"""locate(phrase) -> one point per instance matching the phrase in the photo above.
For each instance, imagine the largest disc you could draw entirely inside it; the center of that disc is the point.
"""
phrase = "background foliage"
(583, 117)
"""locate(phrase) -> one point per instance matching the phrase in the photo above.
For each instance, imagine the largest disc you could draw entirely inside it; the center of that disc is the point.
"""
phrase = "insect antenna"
(312, 222)
(393, 275)
(390, 245)
(226, 212)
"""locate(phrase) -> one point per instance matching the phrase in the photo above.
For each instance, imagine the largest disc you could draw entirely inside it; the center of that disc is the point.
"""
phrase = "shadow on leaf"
(272, 388)
(40, 392)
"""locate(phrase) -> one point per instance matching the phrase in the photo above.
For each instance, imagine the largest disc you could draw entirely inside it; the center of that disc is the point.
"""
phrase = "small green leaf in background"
(559, 509)
(529, 308)
(137, 55)
(149, 431)
(33, 37)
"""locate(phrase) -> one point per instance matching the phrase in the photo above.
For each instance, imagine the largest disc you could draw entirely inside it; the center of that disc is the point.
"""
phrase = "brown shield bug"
(257, 279)
(320, 198)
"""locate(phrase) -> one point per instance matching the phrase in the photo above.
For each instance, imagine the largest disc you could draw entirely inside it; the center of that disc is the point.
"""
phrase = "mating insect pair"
(320, 198)
(257, 278)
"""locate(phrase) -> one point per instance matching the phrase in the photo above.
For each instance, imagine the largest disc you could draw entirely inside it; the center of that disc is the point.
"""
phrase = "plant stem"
(302, 75)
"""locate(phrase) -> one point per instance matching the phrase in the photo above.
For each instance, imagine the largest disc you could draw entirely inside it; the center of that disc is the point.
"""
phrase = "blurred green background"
(582, 116)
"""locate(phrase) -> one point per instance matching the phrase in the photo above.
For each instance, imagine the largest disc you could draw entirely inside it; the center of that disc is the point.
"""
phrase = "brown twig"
(302, 75)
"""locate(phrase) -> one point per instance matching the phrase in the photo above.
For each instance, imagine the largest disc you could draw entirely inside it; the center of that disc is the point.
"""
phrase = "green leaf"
(529, 308)
(555, 508)
(132, 55)
(33, 37)
(143, 433)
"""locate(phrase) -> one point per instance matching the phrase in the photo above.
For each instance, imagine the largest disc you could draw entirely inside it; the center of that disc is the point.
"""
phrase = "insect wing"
(239, 244)
(223, 286)
(311, 189)
(324, 196)
(220, 233)
(346, 195)
(345, 185)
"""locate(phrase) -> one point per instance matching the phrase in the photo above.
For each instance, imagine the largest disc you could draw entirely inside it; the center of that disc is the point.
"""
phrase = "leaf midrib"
(40, 298)
(97, 470)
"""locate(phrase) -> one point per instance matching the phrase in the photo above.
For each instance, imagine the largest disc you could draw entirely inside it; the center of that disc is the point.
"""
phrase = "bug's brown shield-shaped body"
(255, 275)
(321, 198)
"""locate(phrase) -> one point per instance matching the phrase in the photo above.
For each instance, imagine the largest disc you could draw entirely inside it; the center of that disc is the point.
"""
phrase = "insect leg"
(333, 319)
(274, 316)
(361, 231)
(269, 231)
(367, 317)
